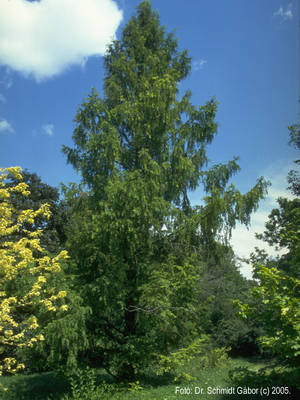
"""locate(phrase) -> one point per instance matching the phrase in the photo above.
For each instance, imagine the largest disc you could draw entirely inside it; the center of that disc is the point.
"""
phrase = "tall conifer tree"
(137, 242)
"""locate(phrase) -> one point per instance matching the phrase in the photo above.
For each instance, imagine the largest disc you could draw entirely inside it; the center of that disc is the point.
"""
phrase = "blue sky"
(245, 53)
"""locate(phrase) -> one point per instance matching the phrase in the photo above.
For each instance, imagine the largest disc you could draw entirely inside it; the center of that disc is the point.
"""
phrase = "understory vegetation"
(94, 384)
(123, 289)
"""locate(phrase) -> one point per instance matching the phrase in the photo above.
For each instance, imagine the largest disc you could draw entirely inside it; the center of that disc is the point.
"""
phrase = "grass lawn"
(209, 383)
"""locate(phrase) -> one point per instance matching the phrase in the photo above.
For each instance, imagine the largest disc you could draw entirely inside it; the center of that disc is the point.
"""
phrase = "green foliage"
(83, 385)
(282, 231)
(176, 363)
(282, 228)
(53, 236)
(278, 290)
(285, 380)
(215, 357)
(64, 332)
(170, 363)
(280, 295)
(137, 244)
(221, 282)
(278, 305)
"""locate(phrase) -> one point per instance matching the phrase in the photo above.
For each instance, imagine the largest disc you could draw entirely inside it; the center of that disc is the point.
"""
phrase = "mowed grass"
(209, 383)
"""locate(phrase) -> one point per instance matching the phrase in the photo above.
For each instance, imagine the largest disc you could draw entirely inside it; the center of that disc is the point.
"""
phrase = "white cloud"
(2, 98)
(198, 64)
(48, 129)
(285, 15)
(5, 126)
(43, 38)
(243, 239)
(6, 79)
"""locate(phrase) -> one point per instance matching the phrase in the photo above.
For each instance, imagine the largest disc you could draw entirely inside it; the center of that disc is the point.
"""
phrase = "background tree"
(137, 241)
(282, 227)
(221, 283)
(279, 280)
(53, 236)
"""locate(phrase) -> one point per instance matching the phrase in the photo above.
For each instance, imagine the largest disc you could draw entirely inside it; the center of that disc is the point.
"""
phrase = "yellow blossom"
(61, 294)
(18, 257)
(41, 279)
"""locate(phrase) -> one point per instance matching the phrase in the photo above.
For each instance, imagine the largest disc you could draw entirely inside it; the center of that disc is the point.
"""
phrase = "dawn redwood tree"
(136, 241)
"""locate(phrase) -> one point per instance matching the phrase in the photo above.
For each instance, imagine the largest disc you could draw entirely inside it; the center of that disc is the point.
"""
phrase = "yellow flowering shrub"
(20, 257)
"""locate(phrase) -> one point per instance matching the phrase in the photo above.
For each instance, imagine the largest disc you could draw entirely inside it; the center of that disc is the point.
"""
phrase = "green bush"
(176, 363)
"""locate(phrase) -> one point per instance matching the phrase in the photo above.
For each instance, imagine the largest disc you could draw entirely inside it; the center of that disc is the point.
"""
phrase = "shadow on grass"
(278, 383)
(34, 387)
(43, 386)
